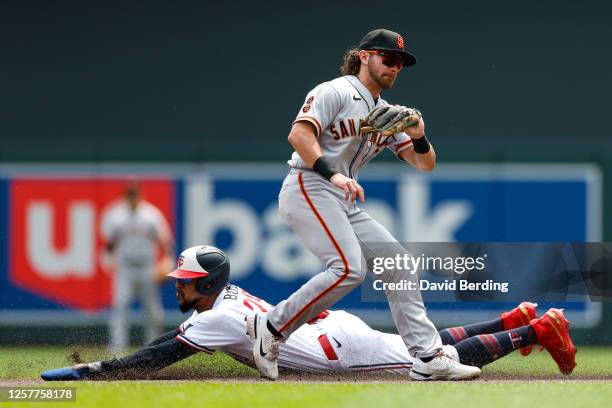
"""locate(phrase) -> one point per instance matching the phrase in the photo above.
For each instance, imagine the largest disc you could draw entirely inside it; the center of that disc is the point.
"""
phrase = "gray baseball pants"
(332, 229)
(128, 283)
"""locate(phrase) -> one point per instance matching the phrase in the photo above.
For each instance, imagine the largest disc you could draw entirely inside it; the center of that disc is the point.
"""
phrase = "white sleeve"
(108, 227)
(162, 228)
(209, 331)
(321, 106)
(398, 142)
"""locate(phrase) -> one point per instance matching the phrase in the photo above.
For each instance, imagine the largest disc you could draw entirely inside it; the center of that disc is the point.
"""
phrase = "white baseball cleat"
(265, 346)
(442, 367)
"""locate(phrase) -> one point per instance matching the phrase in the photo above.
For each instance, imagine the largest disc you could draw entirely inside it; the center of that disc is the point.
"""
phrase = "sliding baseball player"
(333, 341)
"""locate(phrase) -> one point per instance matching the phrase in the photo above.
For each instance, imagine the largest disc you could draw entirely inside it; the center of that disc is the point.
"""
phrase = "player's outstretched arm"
(150, 358)
(165, 337)
(139, 363)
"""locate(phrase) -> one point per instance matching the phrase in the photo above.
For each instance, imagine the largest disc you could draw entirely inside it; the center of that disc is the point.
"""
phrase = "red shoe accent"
(552, 331)
(518, 317)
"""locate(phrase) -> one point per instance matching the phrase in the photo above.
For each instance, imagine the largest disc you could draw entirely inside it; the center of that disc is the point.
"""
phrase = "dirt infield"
(181, 375)
(26, 364)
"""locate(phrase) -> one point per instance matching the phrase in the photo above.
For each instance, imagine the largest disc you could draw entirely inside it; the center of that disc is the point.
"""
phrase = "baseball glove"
(389, 120)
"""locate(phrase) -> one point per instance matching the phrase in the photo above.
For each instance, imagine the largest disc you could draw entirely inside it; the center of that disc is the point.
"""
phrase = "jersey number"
(250, 301)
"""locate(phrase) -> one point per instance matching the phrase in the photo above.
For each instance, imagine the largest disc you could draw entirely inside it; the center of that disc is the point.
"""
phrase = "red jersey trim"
(312, 120)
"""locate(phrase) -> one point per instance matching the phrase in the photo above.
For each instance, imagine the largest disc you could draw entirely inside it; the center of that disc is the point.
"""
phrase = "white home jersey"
(135, 234)
(334, 341)
(335, 108)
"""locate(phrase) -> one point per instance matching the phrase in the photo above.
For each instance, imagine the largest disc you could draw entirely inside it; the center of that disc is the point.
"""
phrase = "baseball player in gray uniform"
(133, 228)
(318, 198)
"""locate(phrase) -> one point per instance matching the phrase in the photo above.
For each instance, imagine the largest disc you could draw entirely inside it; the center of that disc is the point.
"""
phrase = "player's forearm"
(170, 248)
(420, 161)
(426, 161)
(164, 337)
(150, 358)
(167, 248)
(146, 360)
(305, 143)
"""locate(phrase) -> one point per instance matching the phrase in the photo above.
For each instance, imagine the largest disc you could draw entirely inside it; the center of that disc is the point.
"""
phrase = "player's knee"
(351, 273)
(356, 273)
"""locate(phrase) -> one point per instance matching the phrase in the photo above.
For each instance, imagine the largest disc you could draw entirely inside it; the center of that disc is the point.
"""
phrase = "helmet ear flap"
(200, 286)
(206, 286)
(216, 263)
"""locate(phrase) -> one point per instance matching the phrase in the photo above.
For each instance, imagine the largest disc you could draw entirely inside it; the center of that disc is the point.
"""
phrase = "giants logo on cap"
(400, 41)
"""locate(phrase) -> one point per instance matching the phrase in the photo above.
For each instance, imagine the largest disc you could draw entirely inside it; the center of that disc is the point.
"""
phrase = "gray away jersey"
(335, 108)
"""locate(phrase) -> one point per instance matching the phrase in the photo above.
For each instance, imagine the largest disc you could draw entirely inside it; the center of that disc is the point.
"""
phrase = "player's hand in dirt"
(352, 189)
(74, 373)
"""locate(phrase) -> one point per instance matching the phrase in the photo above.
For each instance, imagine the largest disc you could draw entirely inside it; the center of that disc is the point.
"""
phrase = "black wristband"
(421, 145)
(324, 167)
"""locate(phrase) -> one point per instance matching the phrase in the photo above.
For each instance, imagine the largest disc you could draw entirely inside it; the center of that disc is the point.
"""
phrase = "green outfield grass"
(513, 381)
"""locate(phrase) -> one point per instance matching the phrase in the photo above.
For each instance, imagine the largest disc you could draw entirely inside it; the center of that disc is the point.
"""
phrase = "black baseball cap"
(387, 40)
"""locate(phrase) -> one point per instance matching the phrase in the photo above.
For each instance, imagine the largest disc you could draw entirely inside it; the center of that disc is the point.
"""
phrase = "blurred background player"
(334, 341)
(134, 231)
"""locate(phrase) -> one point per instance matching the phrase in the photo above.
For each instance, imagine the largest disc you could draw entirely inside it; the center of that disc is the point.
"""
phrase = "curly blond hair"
(351, 62)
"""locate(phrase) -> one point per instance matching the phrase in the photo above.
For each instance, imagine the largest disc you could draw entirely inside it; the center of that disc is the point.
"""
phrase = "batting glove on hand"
(74, 373)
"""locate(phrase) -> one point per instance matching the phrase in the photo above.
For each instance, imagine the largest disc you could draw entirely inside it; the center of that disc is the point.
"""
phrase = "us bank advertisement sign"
(52, 247)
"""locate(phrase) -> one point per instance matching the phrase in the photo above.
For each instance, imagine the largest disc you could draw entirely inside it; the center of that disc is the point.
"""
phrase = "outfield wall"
(51, 273)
